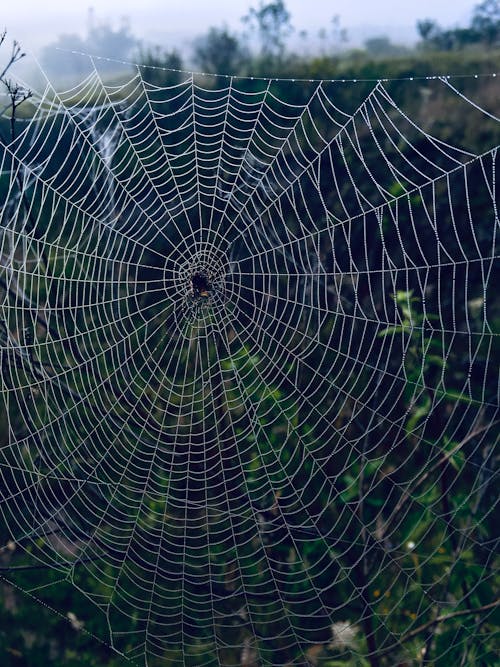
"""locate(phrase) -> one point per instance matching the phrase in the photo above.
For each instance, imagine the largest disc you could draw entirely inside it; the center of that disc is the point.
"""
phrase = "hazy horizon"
(178, 25)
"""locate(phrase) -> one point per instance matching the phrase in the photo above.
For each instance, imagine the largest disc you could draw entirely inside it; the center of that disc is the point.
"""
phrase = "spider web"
(249, 366)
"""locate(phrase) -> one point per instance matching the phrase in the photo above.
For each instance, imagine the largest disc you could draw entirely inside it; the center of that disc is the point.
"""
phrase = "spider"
(200, 285)
(199, 292)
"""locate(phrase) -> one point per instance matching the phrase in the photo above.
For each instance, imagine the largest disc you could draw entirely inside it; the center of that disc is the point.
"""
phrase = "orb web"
(249, 366)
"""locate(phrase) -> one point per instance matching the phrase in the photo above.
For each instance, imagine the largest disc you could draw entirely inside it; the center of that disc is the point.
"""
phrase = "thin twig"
(444, 459)
(17, 95)
(440, 619)
(15, 55)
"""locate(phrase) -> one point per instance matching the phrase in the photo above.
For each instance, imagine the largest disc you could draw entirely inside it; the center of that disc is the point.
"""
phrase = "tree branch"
(443, 460)
(437, 620)
(15, 55)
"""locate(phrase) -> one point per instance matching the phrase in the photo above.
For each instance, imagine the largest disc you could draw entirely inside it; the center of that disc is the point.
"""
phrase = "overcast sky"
(170, 22)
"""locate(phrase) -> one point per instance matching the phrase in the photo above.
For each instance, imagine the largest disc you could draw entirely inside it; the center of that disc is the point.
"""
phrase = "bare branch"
(17, 95)
(437, 620)
(15, 55)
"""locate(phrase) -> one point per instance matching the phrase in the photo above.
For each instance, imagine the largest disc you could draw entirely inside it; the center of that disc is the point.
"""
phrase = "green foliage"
(419, 498)
(220, 52)
(158, 66)
(382, 47)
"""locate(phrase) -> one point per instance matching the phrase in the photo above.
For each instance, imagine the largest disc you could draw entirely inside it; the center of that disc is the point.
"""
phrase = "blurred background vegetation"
(265, 47)
(436, 513)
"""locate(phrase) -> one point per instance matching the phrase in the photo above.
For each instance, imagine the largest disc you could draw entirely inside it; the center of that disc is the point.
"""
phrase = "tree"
(484, 29)
(57, 63)
(162, 68)
(101, 40)
(220, 52)
(428, 29)
(486, 21)
(382, 47)
(272, 24)
(334, 36)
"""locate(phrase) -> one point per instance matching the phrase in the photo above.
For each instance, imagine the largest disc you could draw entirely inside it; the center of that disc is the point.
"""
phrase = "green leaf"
(420, 412)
